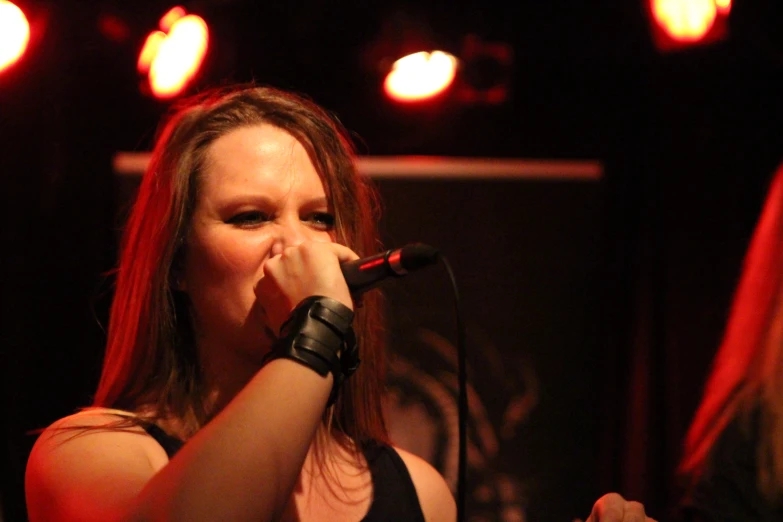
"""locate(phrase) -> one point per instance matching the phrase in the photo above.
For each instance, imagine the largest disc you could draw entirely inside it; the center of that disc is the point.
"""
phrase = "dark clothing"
(727, 490)
(394, 496)
(170, 444)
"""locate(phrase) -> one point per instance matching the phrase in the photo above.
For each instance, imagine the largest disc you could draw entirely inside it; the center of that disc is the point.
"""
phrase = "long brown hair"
(150, 362)
(747, 372)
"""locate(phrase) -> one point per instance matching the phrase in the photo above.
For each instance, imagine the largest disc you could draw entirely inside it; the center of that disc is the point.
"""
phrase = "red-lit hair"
(150, 363)
(747, 372)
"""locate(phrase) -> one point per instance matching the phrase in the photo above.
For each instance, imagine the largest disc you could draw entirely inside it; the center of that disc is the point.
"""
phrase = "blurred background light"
(420, 76)
(679, 24)
(172, 57)
(14, 34)
(149, 51)
(685, 20)
(168, 19)
(723, 6)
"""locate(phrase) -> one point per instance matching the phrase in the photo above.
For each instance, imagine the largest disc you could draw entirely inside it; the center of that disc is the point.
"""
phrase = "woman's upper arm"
(85, 474)
(437, 501)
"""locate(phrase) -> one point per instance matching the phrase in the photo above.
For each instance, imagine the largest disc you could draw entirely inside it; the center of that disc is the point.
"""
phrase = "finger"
(608, 508)
(609, 513)
(318, 253)
(310, 268)
(343, 253)
(634, 512)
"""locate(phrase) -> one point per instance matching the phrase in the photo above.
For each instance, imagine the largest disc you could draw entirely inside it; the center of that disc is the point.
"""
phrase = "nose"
(288, 234)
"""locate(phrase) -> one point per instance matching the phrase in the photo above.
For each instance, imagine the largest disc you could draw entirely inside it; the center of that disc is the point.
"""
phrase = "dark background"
(619, 311)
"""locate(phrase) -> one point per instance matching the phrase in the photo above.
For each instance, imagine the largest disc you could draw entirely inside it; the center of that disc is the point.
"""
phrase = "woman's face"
(259, 193)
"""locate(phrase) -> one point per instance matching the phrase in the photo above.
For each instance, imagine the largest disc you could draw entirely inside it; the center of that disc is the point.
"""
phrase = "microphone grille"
(417, 255)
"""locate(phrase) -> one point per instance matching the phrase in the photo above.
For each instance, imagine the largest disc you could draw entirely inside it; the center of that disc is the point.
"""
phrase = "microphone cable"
(364, 274)
(462, 397)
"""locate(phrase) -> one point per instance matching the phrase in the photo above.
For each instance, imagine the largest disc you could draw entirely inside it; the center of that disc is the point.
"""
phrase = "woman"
(732, 466)
(230, 388)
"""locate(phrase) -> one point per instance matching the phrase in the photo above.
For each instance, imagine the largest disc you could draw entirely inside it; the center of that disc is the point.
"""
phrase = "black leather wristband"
(318, 334)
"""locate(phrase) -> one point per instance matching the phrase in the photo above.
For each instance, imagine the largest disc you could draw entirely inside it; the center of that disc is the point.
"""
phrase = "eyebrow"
(244, 199)
(316, 202)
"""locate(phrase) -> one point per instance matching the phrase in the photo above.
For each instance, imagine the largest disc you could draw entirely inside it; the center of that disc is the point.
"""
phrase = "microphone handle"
(367, 273)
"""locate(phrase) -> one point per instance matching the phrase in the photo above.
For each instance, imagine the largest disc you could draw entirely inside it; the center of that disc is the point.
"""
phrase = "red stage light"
(14, 34)
(179, 57)
(173, 56)
(168, 19)
(685, 20)
(683, 23)
(724, 6)
(149, 51)
(420, 76)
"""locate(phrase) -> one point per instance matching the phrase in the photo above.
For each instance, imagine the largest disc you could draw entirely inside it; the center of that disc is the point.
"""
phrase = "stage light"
(172, 56)
(683, 23)
(479, 75)
(149, 50)
(14, 34)
(420, 76)
(724, 6)
(168, 19)
(685, 20)
(414, 63)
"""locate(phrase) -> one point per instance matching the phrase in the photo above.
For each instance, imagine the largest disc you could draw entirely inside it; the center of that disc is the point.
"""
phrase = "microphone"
(366, 273)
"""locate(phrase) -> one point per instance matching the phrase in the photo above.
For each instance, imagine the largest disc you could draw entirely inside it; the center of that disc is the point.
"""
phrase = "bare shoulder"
(97, 431)
(435, 497)
(87, 466)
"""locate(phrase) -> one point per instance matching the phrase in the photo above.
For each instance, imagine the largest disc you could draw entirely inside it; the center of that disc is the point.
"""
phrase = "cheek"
(221, 282)
(324, 236)
(222, 262)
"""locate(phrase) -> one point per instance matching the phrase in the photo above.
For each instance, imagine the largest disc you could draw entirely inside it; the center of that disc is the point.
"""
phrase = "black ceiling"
(582, 71)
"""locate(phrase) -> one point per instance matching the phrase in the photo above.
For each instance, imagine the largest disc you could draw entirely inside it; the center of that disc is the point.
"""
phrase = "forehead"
(256, 156)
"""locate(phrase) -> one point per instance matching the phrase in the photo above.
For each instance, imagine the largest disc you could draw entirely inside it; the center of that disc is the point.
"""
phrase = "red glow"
(372, 263)
(420, 76)
(150, 50)
(168, 19)
(685, 20)
(14, 34)
(724, 6)
(113, 27)
(394, 258)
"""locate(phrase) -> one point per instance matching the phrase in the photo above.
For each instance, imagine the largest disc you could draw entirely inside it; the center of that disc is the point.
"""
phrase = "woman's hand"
(612, 507)
(310, 268)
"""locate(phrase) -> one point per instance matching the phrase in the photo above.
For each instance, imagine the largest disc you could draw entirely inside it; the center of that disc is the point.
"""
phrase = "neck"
(225, 373)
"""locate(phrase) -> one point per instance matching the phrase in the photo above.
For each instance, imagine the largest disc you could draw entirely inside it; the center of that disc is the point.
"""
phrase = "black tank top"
(394, 496)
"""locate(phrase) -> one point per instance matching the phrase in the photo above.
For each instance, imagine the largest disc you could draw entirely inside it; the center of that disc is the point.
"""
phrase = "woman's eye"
(253, 217)
(322, 220)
